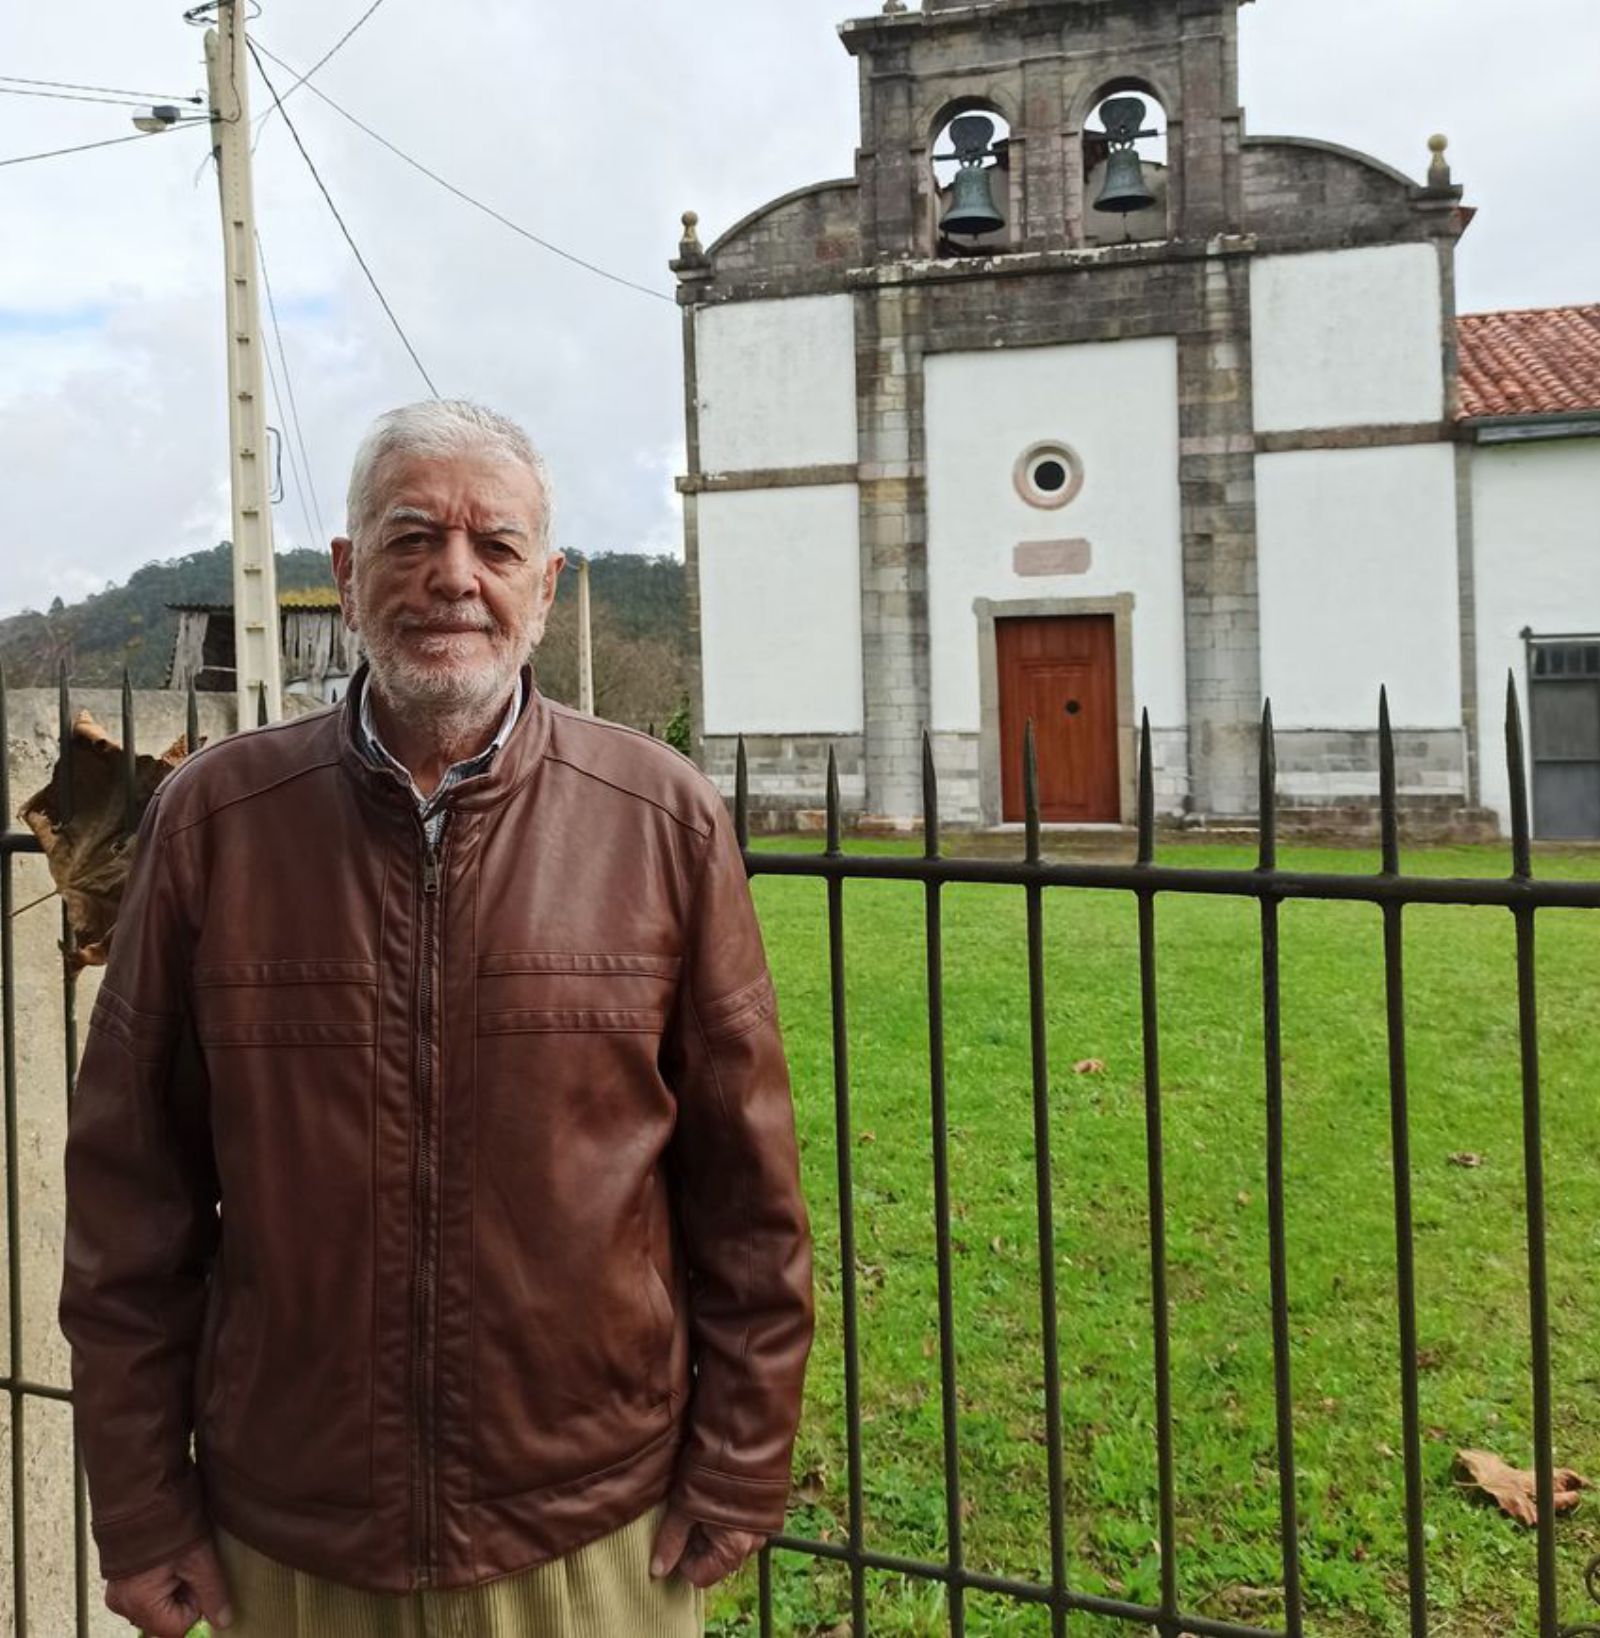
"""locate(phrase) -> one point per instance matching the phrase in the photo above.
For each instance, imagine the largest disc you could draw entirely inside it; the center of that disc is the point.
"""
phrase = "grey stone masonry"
(1323, 765)
(788, 773)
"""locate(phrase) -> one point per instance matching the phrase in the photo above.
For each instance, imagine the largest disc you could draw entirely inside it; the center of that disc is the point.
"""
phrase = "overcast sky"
(593, 126)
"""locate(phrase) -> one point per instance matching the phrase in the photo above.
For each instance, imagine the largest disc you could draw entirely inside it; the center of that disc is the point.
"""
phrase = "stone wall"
(788, 774)
(813, 231)
(1331, 766)
(39, 1000)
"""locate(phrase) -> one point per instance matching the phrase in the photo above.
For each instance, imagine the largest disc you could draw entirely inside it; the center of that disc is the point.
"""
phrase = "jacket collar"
(513, 764)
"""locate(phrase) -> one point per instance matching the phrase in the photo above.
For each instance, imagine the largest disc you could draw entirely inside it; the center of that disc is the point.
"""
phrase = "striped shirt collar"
(381, 756)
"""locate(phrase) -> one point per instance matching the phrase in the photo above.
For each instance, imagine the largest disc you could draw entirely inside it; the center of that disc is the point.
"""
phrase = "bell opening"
(1125, 167)
(971, 173)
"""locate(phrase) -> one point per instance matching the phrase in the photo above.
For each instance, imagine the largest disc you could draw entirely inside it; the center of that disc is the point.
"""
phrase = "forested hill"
(640, 625)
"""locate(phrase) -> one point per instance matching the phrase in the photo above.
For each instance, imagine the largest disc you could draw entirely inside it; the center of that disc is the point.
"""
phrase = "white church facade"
(1076, 401)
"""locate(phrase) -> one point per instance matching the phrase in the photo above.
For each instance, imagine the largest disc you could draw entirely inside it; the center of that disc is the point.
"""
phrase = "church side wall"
(778, 542)
(1360, 567)
(776, 384)
(1358, 578)
(778, 577)
(1537, 566)
(1348, 338)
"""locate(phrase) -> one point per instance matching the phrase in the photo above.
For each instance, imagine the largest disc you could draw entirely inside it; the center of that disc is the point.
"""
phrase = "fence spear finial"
(741, 794)
(130, 764)
(834, 826)
(1517, 769)
(1030, 792)
(930, 798)
(1147, 794)
(1388, 788)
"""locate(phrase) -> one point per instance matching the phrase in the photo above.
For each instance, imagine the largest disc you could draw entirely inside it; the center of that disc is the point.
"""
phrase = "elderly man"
(436, 1261)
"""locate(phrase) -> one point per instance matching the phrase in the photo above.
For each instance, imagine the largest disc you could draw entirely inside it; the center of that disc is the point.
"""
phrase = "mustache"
(447, 618)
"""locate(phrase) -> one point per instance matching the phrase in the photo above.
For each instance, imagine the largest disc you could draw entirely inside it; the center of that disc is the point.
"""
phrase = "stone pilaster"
(1216, 474)
(894, 556)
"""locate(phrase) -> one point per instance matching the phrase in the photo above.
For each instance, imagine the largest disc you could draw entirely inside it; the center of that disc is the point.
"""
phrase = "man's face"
(449, 589)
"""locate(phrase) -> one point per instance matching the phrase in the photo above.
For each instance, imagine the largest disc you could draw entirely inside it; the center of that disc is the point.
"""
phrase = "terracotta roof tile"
(1541, 361)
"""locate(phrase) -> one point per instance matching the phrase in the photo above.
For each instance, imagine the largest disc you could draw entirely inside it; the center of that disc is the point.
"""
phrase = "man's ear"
(554, 563)
(344, 563)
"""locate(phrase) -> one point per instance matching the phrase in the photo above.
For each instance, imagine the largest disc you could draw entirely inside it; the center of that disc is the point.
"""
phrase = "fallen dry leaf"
(90, 854)
(1089, 1066)
(1467, 1159)
(1513, 1488)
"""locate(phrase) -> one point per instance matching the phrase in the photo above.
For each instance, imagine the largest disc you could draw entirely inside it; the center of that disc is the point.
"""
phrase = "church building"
(1077, 401)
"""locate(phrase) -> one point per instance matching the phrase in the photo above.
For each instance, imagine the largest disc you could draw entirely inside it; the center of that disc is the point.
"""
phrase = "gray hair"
(441, 427)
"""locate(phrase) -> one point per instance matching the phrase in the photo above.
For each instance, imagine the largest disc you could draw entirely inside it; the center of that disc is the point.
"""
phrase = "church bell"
(972, 208)
(1124, 189)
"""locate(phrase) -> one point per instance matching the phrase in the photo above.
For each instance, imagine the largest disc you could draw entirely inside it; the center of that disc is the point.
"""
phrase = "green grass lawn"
(1470, 1247)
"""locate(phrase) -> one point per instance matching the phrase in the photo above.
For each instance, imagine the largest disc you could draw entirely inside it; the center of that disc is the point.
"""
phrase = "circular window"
(1049, 475)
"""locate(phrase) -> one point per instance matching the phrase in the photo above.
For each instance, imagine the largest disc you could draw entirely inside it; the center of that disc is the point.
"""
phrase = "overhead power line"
(77, 96)
(303, 466)
(108, 90)
(349, 238)
(321, 62)
(464, 196)
(107, 142)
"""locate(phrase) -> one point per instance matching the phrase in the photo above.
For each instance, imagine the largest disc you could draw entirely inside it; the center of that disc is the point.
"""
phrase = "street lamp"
(162, 117)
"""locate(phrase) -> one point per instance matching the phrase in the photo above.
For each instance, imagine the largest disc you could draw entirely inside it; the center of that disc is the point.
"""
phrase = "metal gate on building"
(1145, 882)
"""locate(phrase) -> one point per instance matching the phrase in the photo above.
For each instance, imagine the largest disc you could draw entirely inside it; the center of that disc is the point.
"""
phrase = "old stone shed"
(1230, 446)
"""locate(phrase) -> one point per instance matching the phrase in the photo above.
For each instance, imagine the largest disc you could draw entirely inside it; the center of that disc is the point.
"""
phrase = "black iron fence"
(1146, 881)
(17, 1383)
(1519, 893)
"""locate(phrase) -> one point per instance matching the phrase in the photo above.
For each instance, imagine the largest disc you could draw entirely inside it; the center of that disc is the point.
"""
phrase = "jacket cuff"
(155, 1534)
(711, 1496)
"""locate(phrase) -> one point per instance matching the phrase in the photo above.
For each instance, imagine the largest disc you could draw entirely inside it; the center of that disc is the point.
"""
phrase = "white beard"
(443, 685)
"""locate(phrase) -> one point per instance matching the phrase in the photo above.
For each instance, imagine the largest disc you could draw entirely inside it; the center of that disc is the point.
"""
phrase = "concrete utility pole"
(585, 643)
(256, 632)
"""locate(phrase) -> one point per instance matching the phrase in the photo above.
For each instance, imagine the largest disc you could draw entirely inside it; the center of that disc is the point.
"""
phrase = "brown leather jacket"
(511, 1243)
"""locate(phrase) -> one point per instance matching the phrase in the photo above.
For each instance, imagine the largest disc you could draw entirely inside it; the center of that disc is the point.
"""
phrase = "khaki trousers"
(603, 1590)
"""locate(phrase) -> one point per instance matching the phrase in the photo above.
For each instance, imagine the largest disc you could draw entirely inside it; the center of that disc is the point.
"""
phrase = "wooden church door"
(1060, 673)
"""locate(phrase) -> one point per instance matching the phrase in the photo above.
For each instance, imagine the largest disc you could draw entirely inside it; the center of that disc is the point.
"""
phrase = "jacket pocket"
(554, 992)
(289, 1048)
(290, 1412)
(284, 1003)
(572, 1325)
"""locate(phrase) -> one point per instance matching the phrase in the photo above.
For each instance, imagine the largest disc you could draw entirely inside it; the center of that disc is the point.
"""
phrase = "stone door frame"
(989, 610)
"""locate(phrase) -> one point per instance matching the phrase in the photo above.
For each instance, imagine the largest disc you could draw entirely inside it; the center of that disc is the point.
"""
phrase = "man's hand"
(166, 1601)
(703, 1554)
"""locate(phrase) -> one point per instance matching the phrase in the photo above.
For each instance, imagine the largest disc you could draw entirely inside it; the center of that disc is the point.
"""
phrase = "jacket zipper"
(426, 1184)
